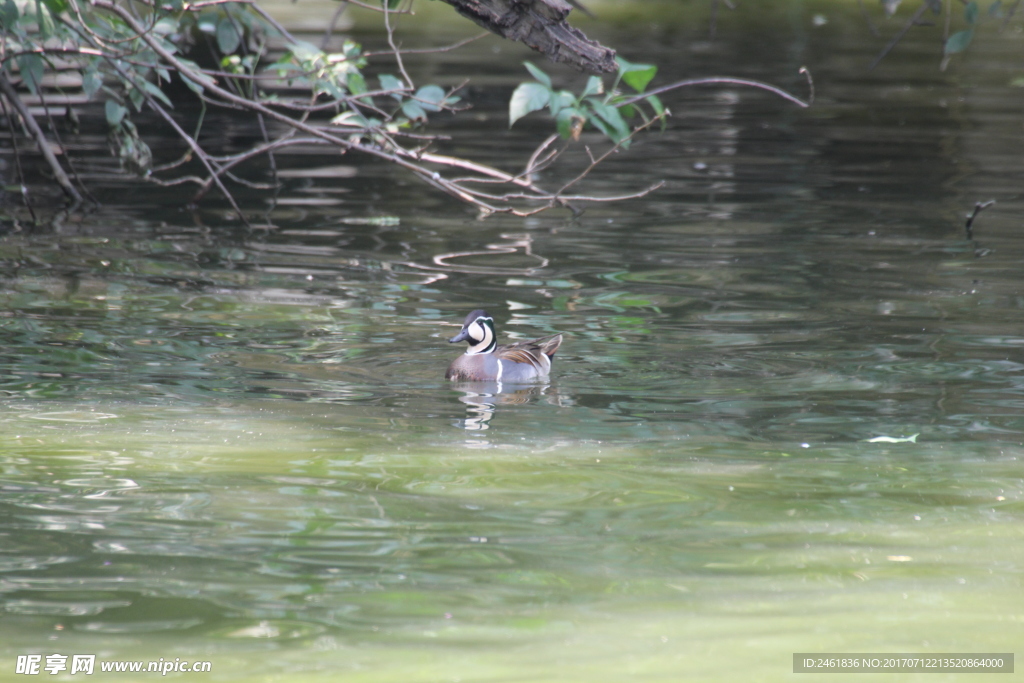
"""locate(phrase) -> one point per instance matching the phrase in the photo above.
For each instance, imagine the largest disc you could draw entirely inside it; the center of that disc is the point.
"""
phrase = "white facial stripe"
(481, 335)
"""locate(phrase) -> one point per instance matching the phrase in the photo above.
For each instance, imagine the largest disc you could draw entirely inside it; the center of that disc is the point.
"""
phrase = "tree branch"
(41, 142)
(541, 25)
(719, 80)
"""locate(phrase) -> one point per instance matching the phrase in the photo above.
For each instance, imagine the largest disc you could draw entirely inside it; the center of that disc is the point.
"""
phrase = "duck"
(487, 361)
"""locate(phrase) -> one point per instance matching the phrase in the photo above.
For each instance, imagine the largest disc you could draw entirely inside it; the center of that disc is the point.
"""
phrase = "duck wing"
(527, 351)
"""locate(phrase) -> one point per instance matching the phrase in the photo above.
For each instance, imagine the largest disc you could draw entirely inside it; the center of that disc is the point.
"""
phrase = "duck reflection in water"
(482, 397)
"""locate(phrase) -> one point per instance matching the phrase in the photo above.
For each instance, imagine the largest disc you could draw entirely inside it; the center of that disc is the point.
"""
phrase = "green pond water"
(237, 446)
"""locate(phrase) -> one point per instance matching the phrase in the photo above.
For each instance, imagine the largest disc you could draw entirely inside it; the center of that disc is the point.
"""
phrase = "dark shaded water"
(237, 446)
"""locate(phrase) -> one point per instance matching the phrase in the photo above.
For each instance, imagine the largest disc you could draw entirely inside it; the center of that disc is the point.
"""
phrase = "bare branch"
(431, 50)
(867, 19)
(899, 34)
(395, 51)
(978, 208)
(489, 189)
(541, 25)
(342, 6)
(22, 186)
(612, 150)
(717, 80)
(41, 142)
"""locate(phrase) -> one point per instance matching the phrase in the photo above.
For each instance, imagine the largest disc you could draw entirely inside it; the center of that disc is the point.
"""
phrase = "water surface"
(236, 445)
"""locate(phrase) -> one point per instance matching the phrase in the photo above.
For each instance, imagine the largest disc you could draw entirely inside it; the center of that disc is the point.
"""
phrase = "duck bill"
(461, 336)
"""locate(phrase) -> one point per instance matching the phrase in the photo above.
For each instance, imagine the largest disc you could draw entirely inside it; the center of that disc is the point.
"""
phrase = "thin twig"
(899, 34)
(432, 50)
(716, 80)
(61, 146)
(342, 6)
(230, 162)
(867, 19)
(1009, 14)
(379, 8)
(41, 142)
(532, 163)
(612, 150)
(204, 159)
(192, 6)
(810, 83)
(22, 185)
(978, 208)
(397, 52)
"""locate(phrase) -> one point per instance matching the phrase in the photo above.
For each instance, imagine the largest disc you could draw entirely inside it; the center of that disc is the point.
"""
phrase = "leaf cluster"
(605, 109)
(129, 68)
(126, 54)
(411, 107)
(959, 41)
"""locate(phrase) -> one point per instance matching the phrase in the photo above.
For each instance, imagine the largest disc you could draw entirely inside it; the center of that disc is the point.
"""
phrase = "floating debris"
(894, 439)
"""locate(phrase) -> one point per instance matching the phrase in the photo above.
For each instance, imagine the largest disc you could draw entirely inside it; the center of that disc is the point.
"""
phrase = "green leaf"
(413, 110)
(656, 104)
(560, 100)
(349, 118)
(305, 51)
(335, 90)
(389, 82)
(195, 75)
(353, 52)
(636, 76)
(192, 85)
(115, 113)
(601, 126)
(56, 6)
(156, 92)
(995, 10)
(136, 97)
(958, 42)
(165, 26)
(9, 14)
(595, 86)
(282, 68)
(430, 97)
(566, 120)
(92, 80)
(538, 74)
(356, 83)
(971, 12)
(526, 98)
(228, 38)
(165, 45)
(612, 117)
(45, 22)
(32, 69)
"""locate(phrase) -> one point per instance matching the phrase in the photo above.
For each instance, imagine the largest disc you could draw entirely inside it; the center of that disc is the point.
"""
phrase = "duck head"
(478, 330)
